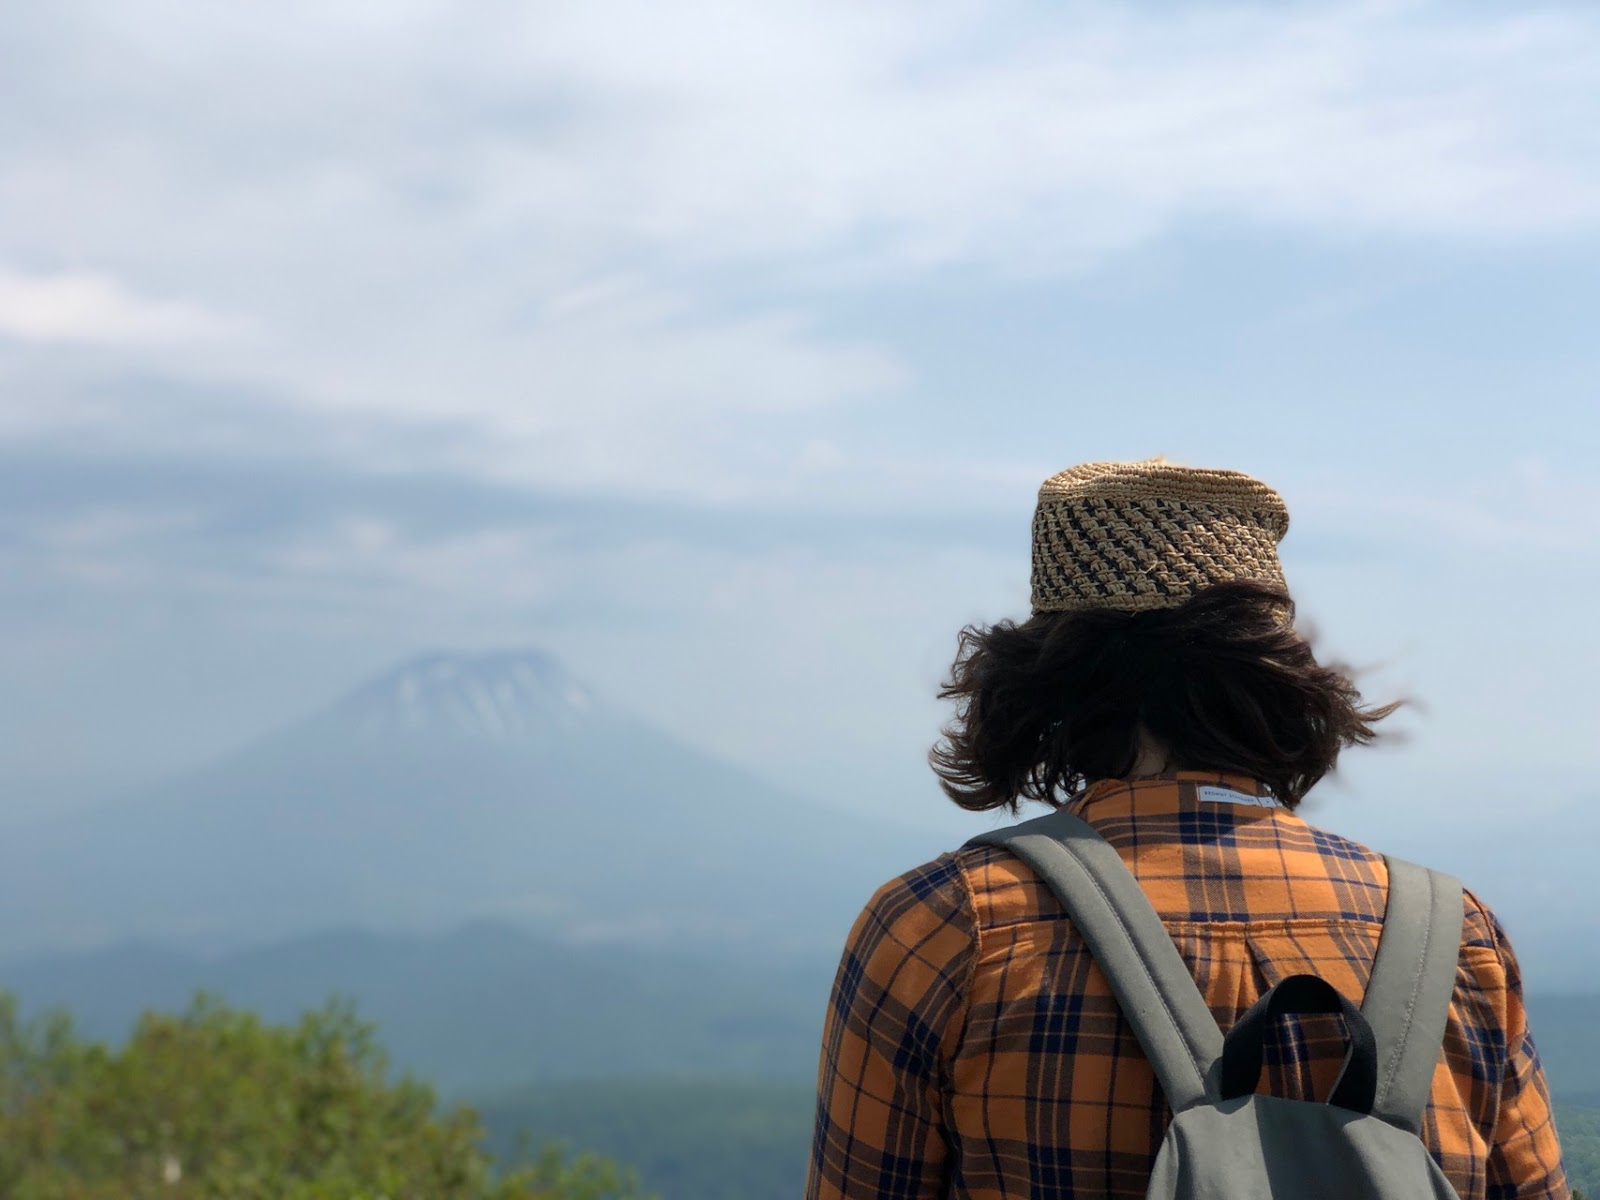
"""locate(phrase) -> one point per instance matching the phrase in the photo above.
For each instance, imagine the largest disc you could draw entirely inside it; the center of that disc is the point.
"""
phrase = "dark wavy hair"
(1223, 682)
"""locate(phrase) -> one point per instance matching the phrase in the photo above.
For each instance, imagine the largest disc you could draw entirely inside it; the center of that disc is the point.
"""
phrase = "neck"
(1153, 756)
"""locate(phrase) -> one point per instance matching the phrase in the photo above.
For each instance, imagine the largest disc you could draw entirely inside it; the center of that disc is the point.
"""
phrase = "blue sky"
(721, 349)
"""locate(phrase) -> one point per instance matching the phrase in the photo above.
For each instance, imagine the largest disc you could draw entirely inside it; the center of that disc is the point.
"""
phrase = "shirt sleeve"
(1525, 1160)
(896, 1013)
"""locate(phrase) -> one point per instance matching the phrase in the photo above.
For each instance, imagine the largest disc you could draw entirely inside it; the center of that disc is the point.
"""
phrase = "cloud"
(1525, 506)
(1028, 138)
(600, 242)
(88, 309)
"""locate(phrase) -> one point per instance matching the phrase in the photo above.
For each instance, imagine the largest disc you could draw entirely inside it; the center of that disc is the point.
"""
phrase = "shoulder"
(915, 908)
(909, 959)
(1486, 951)
(963, 892)
(1335, 845)
(1486, 964)
(1481, 928)
(1481, 931)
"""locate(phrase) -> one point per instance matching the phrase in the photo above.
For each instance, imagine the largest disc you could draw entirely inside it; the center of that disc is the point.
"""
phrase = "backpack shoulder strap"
(1148, 976)
(1408, 997)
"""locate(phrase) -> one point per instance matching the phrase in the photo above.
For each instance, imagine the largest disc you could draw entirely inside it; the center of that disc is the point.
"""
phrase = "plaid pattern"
(973, 1050)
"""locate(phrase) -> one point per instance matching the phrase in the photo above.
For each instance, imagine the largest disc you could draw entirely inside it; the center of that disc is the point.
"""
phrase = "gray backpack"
(1225, 1142)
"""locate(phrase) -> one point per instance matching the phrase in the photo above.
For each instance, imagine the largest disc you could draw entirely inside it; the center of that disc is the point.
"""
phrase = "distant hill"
(483, 1008)
(453, 788)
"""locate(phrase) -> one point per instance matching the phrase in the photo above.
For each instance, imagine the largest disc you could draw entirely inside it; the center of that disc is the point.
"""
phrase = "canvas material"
(1263, 1146)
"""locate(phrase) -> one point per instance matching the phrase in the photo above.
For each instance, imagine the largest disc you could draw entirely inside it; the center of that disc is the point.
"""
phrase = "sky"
(720, 349)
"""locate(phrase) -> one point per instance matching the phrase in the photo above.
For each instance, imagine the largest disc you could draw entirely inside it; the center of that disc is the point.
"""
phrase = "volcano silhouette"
(458, 787)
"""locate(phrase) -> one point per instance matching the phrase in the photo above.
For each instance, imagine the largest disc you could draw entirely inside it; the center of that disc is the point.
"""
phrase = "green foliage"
(1580, 1146)
(215, 1104)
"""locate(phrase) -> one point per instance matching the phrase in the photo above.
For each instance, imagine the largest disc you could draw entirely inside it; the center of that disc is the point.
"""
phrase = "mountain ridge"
(486, 1005)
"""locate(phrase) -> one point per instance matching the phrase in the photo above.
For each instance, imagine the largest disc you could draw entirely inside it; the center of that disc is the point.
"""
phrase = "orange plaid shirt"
(972, 1049)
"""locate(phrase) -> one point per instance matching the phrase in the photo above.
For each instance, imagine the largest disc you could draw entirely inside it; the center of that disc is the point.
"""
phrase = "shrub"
(214, 1104)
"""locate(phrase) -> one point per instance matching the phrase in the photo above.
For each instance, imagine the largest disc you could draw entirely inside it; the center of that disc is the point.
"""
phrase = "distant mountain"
(452, 788)
(479, 1010)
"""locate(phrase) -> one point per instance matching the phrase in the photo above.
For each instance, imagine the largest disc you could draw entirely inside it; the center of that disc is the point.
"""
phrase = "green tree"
(217, 1105)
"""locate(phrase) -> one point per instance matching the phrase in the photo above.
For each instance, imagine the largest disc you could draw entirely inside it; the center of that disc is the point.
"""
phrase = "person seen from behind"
(973, 1046)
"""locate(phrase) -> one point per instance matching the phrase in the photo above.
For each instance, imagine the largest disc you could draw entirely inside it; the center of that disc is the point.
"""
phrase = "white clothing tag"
(1222, 795)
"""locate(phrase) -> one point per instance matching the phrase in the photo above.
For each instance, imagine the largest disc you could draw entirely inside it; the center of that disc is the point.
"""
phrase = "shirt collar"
(1174, 790)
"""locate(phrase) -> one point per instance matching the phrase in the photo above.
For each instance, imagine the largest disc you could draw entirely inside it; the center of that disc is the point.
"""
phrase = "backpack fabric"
(1226, 1142)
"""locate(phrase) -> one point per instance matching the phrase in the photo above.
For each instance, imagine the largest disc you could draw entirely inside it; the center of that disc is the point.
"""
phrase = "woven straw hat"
(1148, 535)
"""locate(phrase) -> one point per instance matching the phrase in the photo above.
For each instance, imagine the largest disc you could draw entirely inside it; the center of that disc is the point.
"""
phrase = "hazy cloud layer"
(596, 240)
